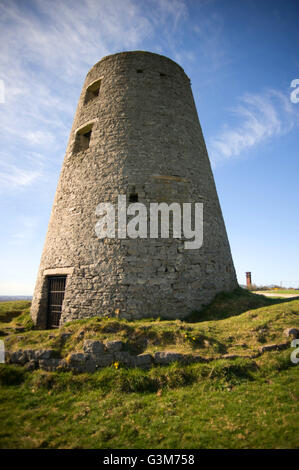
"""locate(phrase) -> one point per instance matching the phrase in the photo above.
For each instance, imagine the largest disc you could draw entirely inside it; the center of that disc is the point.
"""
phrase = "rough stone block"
(166, 357)
(90, 365)
(114, 346)
(31, 365)
(39, 354)
(104, 360)
(18, 357)
(49, 364)
(93, 347)
(143, 360)
(77, 361)
(124, 357)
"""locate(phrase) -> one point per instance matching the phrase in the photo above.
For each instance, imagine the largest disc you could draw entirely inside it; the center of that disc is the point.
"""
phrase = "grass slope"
(241, 403)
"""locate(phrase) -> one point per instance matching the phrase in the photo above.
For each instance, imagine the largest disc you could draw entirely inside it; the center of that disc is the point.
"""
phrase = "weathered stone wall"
(146, 139)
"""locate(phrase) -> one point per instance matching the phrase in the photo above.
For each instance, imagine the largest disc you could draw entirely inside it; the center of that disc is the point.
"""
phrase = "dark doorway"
(56, 288)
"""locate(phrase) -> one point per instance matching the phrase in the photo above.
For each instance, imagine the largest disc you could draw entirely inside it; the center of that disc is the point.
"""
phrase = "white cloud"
(47, 47)
(40, 138)
(12, 176)
(259, 117)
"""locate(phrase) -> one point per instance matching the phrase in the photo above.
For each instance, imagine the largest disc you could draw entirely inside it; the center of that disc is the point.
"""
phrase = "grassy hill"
(231, 403)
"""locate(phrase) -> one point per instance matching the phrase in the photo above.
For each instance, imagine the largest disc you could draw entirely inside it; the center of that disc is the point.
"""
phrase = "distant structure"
(136, 132)
(248, 280)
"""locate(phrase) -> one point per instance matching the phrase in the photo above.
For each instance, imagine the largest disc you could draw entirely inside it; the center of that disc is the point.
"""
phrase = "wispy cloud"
(47, 47)
(212, 43)
(12, 176)
(259, 117)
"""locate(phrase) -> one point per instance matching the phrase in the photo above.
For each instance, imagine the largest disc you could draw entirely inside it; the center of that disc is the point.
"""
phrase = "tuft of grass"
(11, 375)
(240, 334)
(24, 320)
(224, 404)
(10, 310)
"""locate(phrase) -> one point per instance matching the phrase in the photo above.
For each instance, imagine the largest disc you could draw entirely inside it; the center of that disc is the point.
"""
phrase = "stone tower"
(136, 133)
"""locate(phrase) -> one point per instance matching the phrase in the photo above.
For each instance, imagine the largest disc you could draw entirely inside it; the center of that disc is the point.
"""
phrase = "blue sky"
(241, 58)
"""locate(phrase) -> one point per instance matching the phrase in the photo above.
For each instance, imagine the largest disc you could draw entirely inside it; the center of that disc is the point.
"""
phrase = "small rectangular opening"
(133, 197)
(56, 289)
(139, 71)
(82, 139)
(162, 75)
(93, 91)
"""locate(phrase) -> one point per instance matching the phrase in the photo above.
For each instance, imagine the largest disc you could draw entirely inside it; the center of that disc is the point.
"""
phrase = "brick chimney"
(248, 279)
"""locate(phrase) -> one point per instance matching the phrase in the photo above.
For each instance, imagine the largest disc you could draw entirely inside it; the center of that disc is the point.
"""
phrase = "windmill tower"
(135, 133)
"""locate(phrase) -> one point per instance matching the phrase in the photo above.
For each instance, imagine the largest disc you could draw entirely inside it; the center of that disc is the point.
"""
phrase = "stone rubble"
(97, 354)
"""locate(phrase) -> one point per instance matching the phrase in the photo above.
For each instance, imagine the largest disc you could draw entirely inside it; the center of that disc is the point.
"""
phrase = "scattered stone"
(124, 357)
(104, 360)
(114, 346)
(31, 365)
(166, 357)
(77, 361)
(292, 332)
(90, 365)
(50, 364)
(274, 347)
(93, 347)
(39, 354)
(143, 360)
(96, 354)
(18, 357)
(76, 358)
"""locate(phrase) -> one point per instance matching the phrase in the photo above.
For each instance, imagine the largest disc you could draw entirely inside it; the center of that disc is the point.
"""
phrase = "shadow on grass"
(229, 304)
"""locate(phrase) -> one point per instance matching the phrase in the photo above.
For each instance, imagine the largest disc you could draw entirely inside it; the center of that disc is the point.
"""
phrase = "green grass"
(238, 333)
(12, 309)
(241, 403)
(227, 405)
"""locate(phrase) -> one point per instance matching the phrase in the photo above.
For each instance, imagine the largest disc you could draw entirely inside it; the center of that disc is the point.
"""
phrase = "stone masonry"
(136, 132)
